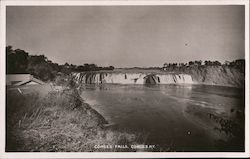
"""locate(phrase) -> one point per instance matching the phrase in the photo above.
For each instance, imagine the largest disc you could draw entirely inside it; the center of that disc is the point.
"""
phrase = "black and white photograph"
(125, 78)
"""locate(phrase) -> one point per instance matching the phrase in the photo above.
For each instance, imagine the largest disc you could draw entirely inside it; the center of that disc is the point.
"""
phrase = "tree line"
(19, 61)
(238, 64)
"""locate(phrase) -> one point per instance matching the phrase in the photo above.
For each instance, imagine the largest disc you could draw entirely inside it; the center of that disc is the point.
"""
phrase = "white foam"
(132, 78)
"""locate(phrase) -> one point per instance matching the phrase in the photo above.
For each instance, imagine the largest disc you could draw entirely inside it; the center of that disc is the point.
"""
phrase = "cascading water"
(132, 78)
(178, 78)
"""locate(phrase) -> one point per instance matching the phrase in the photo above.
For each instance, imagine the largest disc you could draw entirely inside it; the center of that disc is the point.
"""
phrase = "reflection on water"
(183, 117)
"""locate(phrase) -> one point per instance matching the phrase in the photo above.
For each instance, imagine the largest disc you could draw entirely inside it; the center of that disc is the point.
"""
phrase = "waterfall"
(178, 78)
(131, 78)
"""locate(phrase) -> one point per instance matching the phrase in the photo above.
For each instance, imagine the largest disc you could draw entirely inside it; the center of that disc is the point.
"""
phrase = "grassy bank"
(59, 121)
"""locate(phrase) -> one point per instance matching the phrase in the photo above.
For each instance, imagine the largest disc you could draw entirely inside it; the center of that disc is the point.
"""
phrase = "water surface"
(174, 117)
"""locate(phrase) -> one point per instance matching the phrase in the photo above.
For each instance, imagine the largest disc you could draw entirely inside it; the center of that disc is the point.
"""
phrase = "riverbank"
(59, 121)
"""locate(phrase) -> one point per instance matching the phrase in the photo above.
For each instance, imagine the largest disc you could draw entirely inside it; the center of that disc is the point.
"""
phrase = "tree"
(198, 63)
(240, 62)
(208, 63)
(216, 63)
(17, 60)
(111, 67)
(9, 50)
(190, 63)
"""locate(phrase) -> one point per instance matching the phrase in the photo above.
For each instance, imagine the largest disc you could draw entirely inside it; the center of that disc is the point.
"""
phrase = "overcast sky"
(128, 36)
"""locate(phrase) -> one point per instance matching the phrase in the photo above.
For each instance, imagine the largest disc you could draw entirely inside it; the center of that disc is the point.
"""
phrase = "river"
(174, 117)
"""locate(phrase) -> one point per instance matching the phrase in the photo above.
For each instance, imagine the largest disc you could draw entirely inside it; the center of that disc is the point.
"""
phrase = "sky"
(128, 36)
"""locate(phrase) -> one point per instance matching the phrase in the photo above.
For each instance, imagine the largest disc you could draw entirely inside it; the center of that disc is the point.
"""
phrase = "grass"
(59, 122)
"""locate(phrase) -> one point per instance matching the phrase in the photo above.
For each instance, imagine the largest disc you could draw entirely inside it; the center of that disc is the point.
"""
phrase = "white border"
(3, 154)
(120, 2)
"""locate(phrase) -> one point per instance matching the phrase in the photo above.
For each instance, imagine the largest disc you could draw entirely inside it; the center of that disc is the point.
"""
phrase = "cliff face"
(218, 75)
(211, 75)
